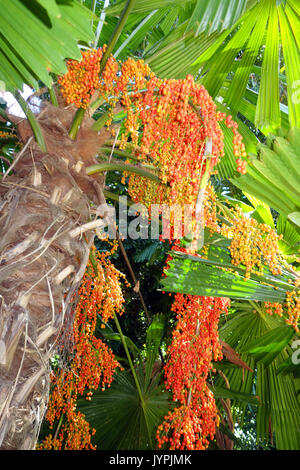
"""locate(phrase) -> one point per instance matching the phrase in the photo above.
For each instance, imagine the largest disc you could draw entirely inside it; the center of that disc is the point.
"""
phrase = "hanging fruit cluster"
(5, 135)
(293, 305)
(92, 364)
(179, 118)
(82, 78)
(172, 120)
(273, 308)
(118, 81)
(194, 346)
(253, 245)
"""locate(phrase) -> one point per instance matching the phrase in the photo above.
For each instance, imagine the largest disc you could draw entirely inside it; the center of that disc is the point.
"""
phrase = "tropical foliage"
(165, 102)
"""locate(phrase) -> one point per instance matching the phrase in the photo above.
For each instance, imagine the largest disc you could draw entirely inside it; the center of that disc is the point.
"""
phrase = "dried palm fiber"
(43, 199)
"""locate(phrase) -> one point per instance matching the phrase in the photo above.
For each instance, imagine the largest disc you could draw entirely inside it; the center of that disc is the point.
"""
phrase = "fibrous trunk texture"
(43, 199)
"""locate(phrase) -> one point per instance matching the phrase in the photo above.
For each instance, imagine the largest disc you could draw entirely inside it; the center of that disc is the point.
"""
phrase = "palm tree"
(45, 202)
(46, 194)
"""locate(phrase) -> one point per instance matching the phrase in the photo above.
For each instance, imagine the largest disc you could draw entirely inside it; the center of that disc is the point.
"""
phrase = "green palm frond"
(223, 392)
(120, 418)
(268, 346)
(36, 39)
(279, 408)
(197, 32)
(259, 42)
(273, 176)
(172, 57)
(215, 276)
(290, 243)
(120, 421)
(153, 340)
(111, 335)
(215, 15)
(257, 28)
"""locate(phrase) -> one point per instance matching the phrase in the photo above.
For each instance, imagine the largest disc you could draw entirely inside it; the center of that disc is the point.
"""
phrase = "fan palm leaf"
(273, 176)
(36, 39)
(279, 410)
(121, 419)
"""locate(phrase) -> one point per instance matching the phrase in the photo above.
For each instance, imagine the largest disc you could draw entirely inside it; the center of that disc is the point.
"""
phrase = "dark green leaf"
(267, 347)
(35, 40)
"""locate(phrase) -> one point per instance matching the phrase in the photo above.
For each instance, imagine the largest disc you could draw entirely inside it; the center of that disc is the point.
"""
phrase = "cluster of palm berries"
(173, 125)
(82, 78)
(190, 427)
(194, 346)
(181, 138)
(172, 120)
(290, 310)
(274, 308)
(92, 363)
(253, 245)
(210, 209)
(293, 306)
(5, 135)
(72, 430)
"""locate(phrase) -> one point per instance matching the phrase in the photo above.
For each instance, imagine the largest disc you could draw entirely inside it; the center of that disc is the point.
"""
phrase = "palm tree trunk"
(42, 260)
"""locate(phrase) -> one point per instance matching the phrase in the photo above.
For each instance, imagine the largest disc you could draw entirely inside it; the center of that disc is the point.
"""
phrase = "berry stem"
(53, 96)
(78, 118)
(120, 153)
(58, 426)
(97, 126)
(129, 360)
(98, 168)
